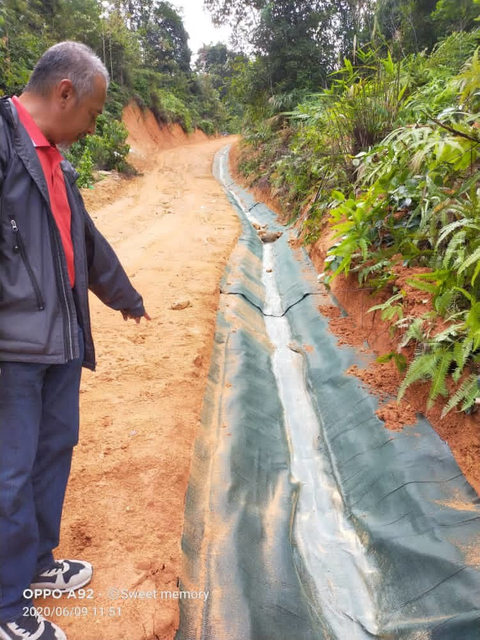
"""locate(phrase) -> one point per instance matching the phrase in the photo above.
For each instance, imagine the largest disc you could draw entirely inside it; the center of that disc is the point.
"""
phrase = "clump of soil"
(330, 311)
(378, 376)
(397, 415)
(343, 327)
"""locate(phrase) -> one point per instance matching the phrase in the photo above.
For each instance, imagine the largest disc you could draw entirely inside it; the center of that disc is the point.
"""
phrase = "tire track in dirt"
(173, 229)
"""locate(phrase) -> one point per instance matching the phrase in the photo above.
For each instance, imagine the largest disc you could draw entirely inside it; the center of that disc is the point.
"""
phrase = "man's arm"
(106, 276)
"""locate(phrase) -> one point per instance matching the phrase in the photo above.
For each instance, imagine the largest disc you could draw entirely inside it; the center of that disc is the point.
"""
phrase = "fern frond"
(444, 301)
(446, 231)
(467, 393)
(414, 332)
(373, 268)
(449, 333)
(458, 240)
(439, 386)
(462, 351)
(470, 260)
(423, 366)
(387, 304)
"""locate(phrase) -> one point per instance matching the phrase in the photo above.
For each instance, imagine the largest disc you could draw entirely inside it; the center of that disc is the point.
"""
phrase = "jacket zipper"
(68, 342)
(19, 247)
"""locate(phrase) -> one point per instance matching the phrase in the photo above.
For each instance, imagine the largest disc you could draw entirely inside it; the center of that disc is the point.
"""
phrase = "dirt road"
(173, 230)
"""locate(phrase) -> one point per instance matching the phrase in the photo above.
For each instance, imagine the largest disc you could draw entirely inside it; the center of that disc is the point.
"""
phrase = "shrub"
(169, 109)
(85, 169)
(108, 146)
(106, 149)
(207, 127)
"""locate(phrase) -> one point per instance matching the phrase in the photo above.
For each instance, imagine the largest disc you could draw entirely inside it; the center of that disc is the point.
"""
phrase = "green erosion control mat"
(305, 518)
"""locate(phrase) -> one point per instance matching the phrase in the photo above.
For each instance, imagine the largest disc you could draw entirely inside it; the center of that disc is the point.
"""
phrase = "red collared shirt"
(50, 158)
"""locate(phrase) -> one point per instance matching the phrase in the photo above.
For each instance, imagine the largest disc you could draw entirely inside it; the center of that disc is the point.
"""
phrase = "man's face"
(76, 118)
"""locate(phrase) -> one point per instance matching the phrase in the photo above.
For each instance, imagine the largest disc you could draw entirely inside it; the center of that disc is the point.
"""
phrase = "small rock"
(269, 270)
(181, 304)
(269, 237)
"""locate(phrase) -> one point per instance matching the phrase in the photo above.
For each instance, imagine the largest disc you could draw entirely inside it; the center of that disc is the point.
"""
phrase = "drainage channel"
(336, 563)
(305, 518)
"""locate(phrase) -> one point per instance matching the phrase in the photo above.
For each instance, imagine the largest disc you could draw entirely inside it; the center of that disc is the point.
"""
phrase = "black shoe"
(31, 627)
(64, 575)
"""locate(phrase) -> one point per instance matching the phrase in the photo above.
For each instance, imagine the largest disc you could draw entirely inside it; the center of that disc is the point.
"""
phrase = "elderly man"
(51, 254)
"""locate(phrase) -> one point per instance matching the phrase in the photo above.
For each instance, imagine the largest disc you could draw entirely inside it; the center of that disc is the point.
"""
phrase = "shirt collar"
(33, 130)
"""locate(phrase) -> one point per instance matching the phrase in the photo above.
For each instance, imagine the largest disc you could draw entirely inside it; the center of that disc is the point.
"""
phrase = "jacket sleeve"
(3, 153)
(106, 276)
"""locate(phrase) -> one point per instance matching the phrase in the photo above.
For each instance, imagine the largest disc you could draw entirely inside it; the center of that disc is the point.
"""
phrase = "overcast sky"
(199, 25)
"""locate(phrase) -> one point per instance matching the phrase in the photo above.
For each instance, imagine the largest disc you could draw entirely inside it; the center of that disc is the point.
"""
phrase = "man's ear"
(65, 92)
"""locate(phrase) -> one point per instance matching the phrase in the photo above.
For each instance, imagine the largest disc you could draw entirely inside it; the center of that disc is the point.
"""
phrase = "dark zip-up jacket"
(39, 311)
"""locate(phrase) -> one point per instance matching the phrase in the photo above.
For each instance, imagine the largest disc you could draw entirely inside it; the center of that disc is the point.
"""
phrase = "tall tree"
(298, 43)
(24, 36)
(456, 15)
(162, 33)
(408, 24)
(219, 63)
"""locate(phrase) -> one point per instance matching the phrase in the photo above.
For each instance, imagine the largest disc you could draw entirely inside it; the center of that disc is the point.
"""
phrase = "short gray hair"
(67, 60)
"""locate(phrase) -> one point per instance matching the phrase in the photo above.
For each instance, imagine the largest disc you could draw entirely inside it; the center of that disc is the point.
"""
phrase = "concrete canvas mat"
(305, 518)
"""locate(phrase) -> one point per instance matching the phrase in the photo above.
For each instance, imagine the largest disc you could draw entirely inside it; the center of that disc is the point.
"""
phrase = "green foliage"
(398, 358)
(108, 145)
(465, 396)
(292, 41)
(389, 154)
(218, 68)
(432, 366)
(163, 37)
(408, 24)
(168, 109)
(118, 97)
(22, 40)
(390, 310)
(85, 169)
(418, 197)
(207, 127)
(456, 15)
(144, 46)
(106, 149)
